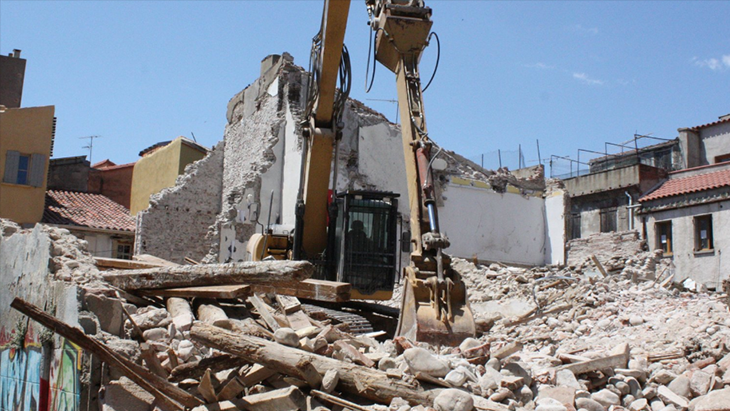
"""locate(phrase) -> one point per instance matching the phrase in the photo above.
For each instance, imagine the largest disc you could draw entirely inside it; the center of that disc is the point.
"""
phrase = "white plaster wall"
(716, 141)
(272, 180)
(705, 268)
(100, 245)
(555, 228)
(381, 160)
(502, 227)
(291, 169)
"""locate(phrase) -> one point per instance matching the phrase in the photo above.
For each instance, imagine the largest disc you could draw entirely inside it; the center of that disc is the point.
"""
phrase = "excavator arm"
(434, 306)
(328, 63)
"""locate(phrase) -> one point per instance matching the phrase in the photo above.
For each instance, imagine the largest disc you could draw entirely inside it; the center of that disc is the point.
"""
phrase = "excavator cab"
(362, 243)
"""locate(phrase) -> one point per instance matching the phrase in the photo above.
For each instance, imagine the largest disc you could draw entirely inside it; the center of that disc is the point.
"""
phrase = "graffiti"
(22, 386)
(65, 390)
(20, 372)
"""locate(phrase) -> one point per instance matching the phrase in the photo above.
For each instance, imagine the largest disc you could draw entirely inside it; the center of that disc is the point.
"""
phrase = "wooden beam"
(197, 369)
(209, 291)
(264, 312)
(170, 396)
(104, 263)
(285, 274)
(373, 384)
(310, 289)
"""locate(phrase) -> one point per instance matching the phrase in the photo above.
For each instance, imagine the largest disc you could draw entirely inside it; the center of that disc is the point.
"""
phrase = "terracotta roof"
(103, 163)
(117, 167)
(691, 184)
(86, 210)
(723, 119)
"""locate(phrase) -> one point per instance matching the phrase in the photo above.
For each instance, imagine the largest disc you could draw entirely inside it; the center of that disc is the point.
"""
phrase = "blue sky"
(570, 74)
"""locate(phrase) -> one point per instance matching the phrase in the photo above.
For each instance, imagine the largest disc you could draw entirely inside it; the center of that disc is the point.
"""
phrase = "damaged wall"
(604, 246)
(263, 153)
(481, 224)
(178, 218)
(37, 369)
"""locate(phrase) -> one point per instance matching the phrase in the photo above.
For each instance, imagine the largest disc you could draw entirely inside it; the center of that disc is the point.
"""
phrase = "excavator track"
(357, 324)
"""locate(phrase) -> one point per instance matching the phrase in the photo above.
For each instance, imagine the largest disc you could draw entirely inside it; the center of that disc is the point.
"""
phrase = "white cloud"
(583, 78)
(540, 66)
(585, 30)
(714, 64)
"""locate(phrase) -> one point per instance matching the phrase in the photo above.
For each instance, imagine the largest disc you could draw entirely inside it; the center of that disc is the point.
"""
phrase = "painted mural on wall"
(65, 370)
(22, 386)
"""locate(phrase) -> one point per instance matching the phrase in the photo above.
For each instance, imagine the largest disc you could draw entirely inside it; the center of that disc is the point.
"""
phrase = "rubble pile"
(603, 335)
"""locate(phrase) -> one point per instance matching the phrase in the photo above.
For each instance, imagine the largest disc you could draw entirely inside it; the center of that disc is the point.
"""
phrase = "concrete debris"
(553, 339)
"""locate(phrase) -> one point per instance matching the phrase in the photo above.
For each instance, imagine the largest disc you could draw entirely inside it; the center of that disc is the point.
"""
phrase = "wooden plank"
(153, 363)
(256, 374)
(196, 369)
(151, 259)
(310, 289)
(206, 389)
(264, 312)
(377, 386)
(599, 266)
(288, 304)
(170, 396)
(104, 263)
(298, 320)
(206, 291)
(338, 401)
(284, 274)
(619, 358)
(231, 390)
(289, 398)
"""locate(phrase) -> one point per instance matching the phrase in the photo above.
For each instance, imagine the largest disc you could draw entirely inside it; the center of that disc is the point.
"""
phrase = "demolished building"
(261, 154)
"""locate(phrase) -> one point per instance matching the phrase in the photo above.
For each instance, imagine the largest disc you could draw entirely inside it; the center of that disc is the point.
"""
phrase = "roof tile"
(691, 184)
(86, 210)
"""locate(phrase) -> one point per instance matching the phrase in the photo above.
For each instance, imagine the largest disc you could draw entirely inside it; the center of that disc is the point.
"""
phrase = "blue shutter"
(11, 167)
(37, 170)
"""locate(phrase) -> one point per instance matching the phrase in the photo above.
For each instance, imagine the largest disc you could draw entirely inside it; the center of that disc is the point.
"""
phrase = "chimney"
(16, 53)
(725, 117)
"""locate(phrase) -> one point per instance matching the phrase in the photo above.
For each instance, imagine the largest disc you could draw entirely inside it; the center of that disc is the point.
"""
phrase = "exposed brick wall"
(177, 221)
(605, 246)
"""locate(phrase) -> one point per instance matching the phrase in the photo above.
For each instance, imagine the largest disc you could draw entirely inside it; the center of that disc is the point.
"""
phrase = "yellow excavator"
(352, 236)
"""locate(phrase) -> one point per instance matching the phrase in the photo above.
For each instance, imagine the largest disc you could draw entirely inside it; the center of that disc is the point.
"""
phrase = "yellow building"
(159, 167)
(26, 138)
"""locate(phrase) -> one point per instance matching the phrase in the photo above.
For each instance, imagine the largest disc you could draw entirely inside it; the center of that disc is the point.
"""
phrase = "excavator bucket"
(433, 313)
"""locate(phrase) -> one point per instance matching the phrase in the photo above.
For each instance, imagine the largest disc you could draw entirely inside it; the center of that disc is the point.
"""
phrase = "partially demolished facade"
(261, 155)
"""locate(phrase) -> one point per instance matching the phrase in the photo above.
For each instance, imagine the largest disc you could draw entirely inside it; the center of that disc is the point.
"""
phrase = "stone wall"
(177, 221)
(39, 370)
(604, 246)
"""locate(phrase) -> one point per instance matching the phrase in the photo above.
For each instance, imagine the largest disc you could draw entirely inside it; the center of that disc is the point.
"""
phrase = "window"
(703, 233)
(664, 236)
(575, 226)
(23, 166)
(25, 169)
(123, 250)
(608, 220)
(723, 158)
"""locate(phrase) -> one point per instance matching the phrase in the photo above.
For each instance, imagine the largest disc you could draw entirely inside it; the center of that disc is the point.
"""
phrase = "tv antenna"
(91, 144)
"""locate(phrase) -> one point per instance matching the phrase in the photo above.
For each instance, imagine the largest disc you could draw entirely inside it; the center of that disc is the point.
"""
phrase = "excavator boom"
(434, 308)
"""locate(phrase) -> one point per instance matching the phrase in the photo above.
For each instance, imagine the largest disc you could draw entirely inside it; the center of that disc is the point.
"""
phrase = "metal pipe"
(432, 217)
(631, 210)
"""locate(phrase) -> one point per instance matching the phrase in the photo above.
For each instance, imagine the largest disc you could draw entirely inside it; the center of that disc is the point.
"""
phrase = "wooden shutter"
(11, 167)
(37, 170)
